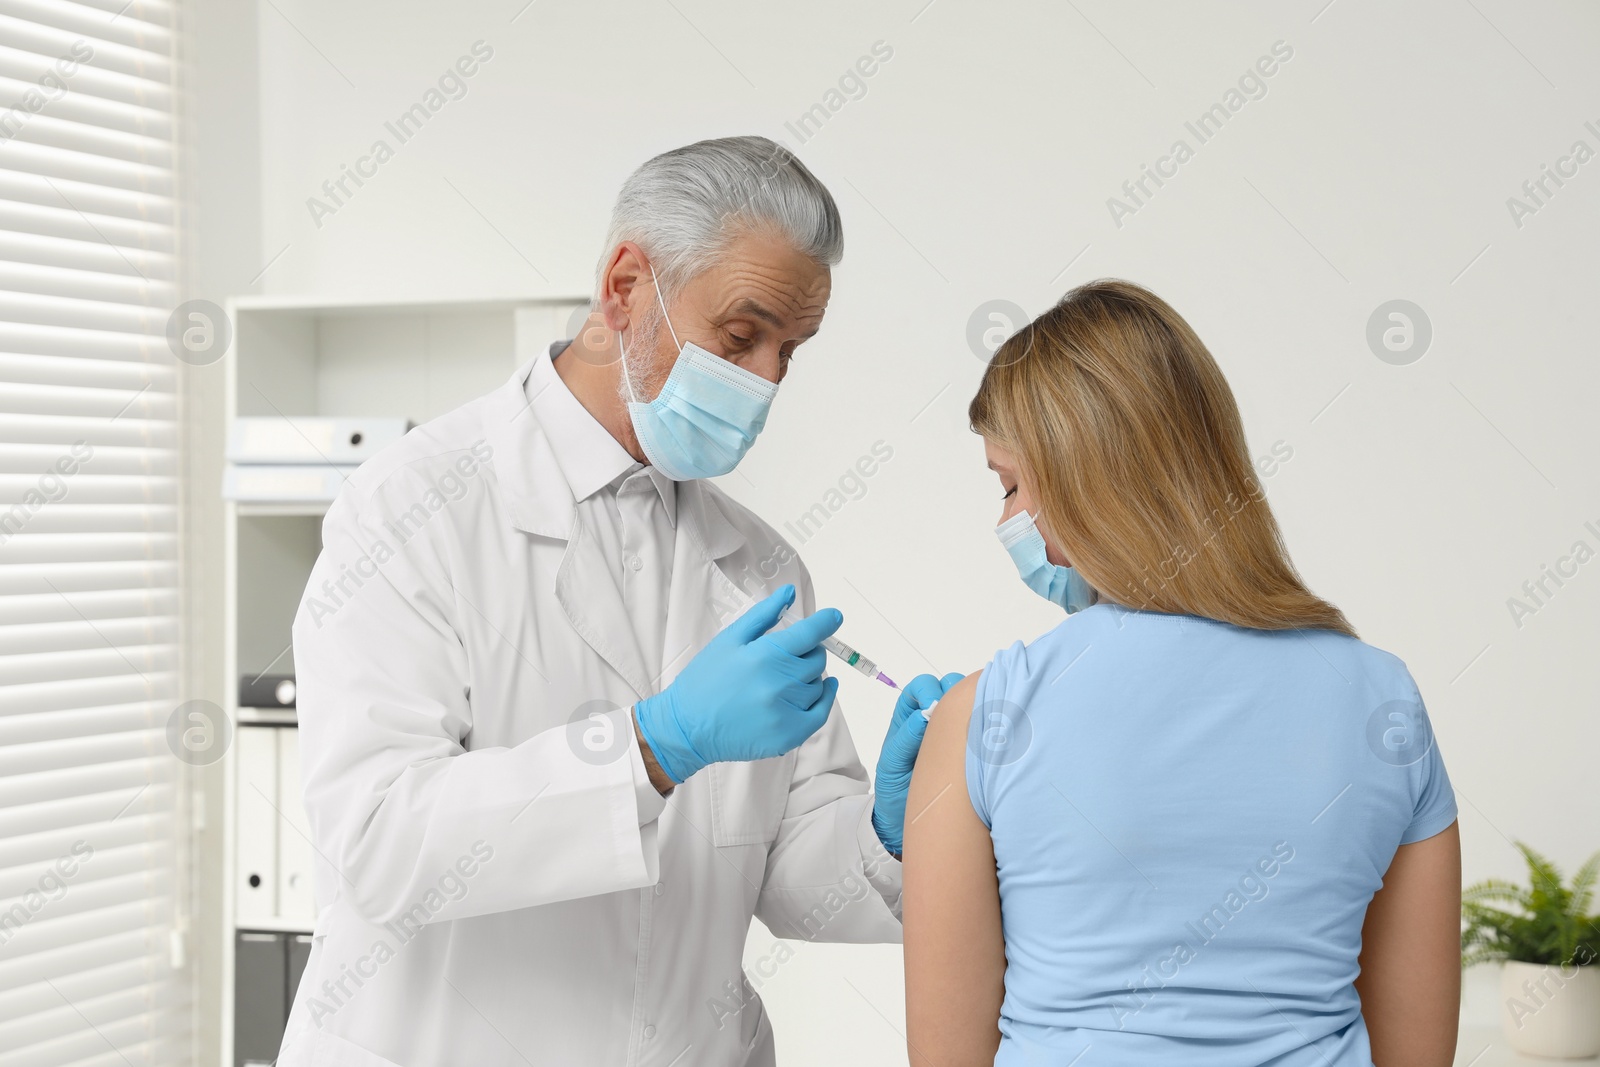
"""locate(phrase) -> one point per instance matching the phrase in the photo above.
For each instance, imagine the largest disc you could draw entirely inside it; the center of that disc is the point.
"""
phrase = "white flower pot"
(1551, 1011)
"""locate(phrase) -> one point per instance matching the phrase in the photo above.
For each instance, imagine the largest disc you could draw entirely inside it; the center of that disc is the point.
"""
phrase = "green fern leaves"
(1545, 921)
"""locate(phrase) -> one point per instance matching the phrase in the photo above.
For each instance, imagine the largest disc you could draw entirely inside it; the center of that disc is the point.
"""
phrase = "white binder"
(256, 853)
(295, 854)
(309, 439)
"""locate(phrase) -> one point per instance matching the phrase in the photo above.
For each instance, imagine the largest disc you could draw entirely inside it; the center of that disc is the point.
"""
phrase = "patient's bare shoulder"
(950, 716)
(941, 763)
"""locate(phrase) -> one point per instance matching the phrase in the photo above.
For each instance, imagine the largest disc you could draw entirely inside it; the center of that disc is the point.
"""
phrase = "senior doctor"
(557, 747)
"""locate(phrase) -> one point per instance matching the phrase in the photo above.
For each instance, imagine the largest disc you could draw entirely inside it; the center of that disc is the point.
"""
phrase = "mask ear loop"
(626, 378)
(665, 317)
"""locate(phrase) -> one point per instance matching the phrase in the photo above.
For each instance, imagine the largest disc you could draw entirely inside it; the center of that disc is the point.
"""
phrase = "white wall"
(978, 166)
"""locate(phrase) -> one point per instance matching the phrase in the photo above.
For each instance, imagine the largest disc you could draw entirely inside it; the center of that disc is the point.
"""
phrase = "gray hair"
(684, 206)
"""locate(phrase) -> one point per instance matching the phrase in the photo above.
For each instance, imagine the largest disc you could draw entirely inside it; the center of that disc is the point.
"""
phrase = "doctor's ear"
(626, 286)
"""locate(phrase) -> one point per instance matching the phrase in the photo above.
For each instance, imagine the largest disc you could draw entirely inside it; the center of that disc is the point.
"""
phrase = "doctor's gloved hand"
(898, 757)
(747, 695)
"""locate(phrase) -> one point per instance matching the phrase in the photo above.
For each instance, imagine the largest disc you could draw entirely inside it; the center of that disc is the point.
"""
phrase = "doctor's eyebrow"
(747, 306)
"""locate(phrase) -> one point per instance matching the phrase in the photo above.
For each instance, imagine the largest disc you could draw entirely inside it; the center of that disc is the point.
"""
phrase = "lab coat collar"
(531, 483)
(537, 488)
(589, 457)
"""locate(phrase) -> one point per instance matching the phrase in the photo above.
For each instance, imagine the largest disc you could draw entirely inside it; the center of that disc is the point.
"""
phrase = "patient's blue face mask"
(706, 416)
(1059, 585)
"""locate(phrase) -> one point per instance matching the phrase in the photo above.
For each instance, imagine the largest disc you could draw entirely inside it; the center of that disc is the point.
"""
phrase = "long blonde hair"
(1129, 436)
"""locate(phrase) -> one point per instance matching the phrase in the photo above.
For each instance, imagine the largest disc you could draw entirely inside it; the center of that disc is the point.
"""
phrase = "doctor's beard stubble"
(644, 372)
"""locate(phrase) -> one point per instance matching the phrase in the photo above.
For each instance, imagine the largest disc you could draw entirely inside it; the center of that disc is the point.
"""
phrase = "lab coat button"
(649, 1032)
(660, 888)
(635, 563)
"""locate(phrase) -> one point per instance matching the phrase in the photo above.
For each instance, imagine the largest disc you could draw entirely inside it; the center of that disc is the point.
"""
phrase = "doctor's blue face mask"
(1024, 543)
(706, 416)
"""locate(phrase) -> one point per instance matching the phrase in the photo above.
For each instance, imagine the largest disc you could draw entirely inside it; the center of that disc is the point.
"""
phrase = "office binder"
(299, 956)
(277, 439)
(266, 690)
(256, 855)
(259, 1009)
(295, 854)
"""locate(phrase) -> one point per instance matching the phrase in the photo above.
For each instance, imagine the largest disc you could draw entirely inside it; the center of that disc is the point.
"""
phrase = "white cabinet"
(303, 364)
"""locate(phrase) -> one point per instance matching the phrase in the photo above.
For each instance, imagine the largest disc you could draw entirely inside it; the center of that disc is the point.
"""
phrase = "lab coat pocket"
(747, 800)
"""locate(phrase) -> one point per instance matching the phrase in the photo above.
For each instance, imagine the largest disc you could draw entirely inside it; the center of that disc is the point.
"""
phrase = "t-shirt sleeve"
(977, 780)
(1435, 808)
(998, 732)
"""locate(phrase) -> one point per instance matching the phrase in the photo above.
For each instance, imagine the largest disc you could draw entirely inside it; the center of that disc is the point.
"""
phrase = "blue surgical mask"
(706, 416)
(1059, 585)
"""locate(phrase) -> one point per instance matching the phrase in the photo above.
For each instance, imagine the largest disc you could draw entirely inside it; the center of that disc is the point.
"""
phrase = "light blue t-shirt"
(1189, 820)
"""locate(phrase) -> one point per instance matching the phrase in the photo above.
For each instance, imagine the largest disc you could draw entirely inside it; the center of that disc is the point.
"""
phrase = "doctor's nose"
(764, 361)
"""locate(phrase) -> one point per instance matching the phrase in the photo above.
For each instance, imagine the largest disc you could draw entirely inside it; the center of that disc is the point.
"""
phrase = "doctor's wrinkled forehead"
(685, 207)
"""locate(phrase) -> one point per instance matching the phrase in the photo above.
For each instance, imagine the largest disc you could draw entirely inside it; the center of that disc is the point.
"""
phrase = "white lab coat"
(496, 886)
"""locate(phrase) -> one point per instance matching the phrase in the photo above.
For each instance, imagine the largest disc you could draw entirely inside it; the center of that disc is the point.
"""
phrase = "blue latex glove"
(899, 756)
(747, 695)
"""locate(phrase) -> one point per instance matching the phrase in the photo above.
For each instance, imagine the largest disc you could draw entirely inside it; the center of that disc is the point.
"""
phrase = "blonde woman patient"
(1199, 822)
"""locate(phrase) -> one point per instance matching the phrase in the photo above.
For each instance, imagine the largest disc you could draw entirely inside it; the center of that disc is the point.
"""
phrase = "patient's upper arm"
(1410, 981)
(954, 949)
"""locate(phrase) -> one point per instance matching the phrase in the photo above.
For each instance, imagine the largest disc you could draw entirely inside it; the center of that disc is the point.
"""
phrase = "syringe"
(851, 657)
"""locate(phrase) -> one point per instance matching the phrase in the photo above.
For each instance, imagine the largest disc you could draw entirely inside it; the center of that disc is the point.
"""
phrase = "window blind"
(89, 606)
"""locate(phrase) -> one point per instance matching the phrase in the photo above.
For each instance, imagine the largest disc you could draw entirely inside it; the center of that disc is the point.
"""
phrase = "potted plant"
(1550, 945)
